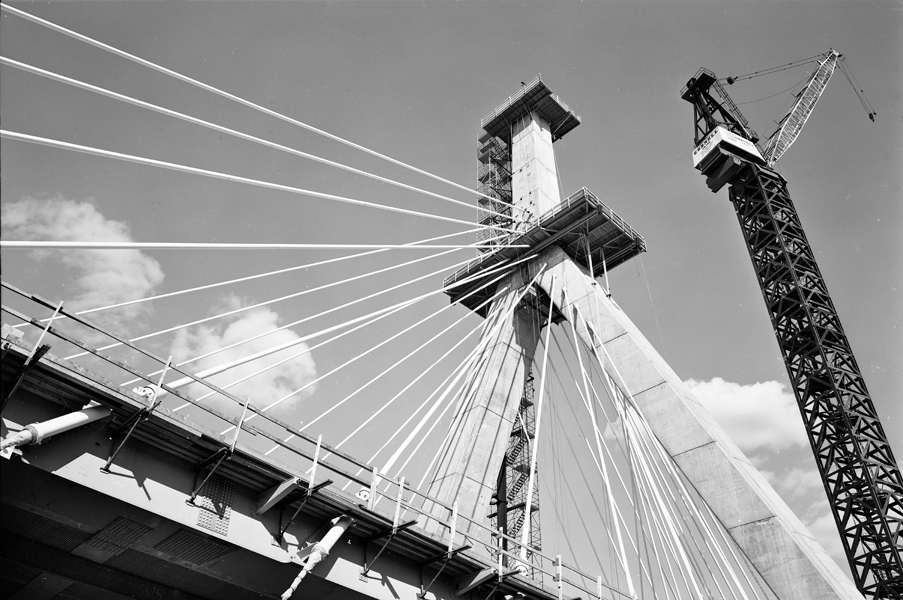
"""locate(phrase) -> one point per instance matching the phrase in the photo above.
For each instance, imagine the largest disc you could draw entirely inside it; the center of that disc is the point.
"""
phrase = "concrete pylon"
(469, 466)
(773, 538)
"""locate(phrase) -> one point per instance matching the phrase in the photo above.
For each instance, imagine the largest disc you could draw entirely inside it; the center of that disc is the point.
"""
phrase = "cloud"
(797, 484)
(101, 277)
(263, 389)
(759, 416)
(821, 525)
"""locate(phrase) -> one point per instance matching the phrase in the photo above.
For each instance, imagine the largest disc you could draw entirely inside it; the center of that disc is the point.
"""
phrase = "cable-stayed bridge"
(435, 425)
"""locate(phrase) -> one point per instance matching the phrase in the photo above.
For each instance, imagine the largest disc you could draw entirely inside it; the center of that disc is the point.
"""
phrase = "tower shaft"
(469, 467)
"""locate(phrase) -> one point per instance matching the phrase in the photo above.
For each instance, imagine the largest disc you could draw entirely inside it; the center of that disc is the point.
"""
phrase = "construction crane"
(855, 461)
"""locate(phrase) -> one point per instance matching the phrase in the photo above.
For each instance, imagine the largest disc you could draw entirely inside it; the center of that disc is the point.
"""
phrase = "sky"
(411, 80)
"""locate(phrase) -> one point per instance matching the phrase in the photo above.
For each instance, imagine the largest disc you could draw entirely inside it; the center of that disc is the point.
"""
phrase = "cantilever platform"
(581, 221)
(534, 95)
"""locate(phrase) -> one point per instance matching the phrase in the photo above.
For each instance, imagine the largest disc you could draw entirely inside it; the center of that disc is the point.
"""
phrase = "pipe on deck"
(36, 433)
(320, 551)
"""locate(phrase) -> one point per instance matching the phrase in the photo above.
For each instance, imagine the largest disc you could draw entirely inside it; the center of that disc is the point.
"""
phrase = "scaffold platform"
(582, 225)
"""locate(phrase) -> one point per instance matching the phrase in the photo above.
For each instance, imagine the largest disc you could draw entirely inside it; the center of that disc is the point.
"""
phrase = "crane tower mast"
(856, 463)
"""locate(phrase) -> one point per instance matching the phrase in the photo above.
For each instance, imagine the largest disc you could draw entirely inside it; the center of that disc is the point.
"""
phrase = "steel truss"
(857, 465)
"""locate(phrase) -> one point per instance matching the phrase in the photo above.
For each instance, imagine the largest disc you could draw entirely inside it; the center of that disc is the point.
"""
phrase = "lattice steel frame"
(856, 463)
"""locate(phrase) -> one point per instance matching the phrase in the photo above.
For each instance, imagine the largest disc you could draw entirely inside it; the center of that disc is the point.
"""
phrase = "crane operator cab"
(722, 154)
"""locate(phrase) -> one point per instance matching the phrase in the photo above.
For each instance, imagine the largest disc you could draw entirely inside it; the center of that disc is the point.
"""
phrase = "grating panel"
(215, 502)
(14, 576)
(85, 591)
(36, 527)
(179, 577)
(122, 533)
(192, 547)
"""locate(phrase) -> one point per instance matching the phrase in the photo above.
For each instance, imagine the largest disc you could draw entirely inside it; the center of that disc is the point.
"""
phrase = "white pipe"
(320, 551)
(38, 432)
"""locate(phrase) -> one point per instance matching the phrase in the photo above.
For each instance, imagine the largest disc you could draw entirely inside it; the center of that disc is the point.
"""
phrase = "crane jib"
(793, 123)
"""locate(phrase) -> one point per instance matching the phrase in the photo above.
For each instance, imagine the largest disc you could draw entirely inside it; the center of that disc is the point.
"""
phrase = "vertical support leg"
(37, 352)
(374, 483)
(398, 505)
(454, 524)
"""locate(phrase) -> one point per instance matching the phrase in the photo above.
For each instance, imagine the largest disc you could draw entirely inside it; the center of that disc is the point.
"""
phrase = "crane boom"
(793, 123)
(857, 466)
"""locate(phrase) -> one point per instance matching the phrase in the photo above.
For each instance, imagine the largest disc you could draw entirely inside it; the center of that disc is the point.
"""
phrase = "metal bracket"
(30, 362)
(474, 580)
(142, 415)
(37, 352)
(493, 590)
(310, 492)
(447, 556)
(392, 531)
(217, 458)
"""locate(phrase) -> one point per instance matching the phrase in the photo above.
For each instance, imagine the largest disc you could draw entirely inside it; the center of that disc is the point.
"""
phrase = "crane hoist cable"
(770, 70)
(860, 93)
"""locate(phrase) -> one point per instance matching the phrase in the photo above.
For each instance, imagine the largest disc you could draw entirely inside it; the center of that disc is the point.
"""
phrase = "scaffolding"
(494, 175)
(511, 491)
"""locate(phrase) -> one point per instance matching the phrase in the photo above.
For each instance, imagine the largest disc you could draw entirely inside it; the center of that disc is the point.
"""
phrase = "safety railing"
(510, 101)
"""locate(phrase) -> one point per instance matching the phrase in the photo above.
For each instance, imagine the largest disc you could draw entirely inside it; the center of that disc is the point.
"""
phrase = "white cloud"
(759, 416)
(263, 389)
(102, 277)
(797, 484)
(821, 525)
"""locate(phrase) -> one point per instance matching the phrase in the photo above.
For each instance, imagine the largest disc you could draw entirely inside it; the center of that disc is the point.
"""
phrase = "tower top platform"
(537, 96)
(582, 225)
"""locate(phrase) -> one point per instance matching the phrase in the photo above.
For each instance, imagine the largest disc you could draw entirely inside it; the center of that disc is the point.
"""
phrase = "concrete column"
(773, 538)
(469, 467)
(534, 178)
